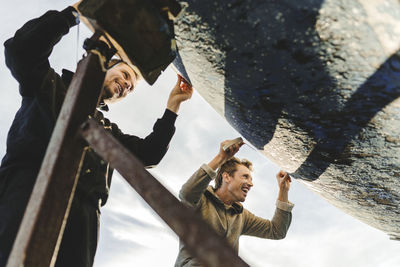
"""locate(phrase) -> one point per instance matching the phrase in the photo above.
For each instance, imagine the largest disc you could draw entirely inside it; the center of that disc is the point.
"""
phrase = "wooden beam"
(41, 229)
(201, 240)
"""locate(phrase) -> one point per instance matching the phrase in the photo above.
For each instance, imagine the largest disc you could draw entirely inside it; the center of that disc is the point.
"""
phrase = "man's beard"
(106, 94)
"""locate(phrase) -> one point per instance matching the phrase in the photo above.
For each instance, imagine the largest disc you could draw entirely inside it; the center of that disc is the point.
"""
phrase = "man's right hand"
(230, 151)
(224, 155)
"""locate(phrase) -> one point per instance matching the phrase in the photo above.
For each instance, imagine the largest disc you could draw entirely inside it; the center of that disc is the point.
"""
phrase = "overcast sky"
(131, 233)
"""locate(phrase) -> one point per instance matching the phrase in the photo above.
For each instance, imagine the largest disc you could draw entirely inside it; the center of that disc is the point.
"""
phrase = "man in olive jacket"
(43, 91)
(220, 206)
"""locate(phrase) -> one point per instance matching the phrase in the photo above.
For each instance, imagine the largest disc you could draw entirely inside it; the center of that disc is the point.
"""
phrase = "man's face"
(118, 82)
(239, 183)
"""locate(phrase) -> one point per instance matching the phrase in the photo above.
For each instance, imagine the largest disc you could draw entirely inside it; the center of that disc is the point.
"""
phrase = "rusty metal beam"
(200, 239)
(45, 217)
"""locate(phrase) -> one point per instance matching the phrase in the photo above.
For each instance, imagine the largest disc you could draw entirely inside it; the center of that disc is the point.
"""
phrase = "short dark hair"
(116, 61)
(230, 166)
(113, 62)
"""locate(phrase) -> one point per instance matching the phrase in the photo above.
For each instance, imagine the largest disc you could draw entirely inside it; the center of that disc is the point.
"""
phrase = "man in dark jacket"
(43, 92)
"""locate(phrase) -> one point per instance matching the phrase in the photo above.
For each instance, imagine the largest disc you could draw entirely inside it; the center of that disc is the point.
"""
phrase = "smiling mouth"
(118, 90)
(245, 190)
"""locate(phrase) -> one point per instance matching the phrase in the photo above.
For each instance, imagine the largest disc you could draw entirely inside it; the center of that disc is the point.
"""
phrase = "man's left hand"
(284, 181)
(181, 92)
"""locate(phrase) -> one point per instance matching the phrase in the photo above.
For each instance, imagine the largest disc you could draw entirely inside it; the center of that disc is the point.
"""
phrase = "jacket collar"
(67, 78)
(210, 194)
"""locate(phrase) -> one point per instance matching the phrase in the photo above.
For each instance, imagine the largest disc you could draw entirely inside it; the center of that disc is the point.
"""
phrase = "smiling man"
(42, 91)
(220, 206)
(119, 81)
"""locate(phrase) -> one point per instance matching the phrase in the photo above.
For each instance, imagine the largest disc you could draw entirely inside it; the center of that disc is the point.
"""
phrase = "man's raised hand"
(284, 180)
(181, 92)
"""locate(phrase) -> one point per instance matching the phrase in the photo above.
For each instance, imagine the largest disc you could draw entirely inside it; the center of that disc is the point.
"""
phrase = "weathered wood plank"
(45, 217)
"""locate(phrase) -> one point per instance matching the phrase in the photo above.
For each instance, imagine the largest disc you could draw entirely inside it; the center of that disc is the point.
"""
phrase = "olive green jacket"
(230, 221)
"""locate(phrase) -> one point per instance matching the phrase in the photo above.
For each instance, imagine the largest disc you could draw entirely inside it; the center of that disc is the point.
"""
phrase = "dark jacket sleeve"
(27, 52)
(151, 149)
